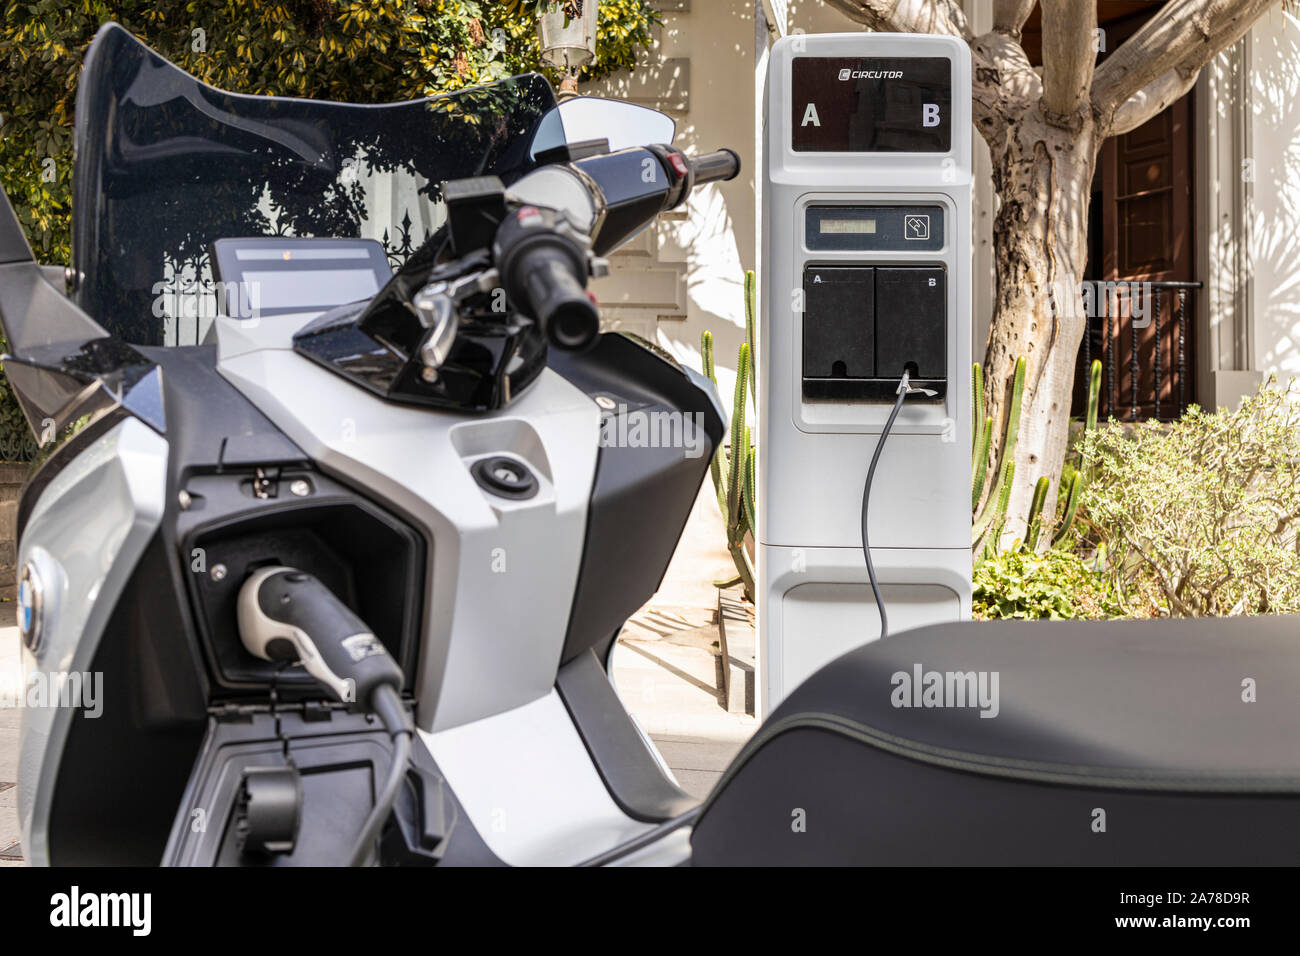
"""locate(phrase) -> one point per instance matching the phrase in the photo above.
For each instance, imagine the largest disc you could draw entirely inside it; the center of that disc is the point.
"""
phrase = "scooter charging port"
(269, 810)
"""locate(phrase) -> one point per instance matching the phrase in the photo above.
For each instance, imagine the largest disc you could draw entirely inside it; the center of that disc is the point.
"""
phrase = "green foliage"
(364, 51)
(16, 440)
(1053, 585)
(1202, 513)
(733, 473)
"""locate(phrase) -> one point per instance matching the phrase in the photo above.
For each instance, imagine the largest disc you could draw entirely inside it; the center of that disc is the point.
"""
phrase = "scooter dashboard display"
(262, 277)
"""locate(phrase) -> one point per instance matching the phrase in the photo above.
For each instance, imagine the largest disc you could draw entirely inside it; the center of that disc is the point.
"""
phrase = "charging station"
(866, 274)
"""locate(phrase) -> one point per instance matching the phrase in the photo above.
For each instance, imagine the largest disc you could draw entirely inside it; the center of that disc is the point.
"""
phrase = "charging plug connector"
(288, 615)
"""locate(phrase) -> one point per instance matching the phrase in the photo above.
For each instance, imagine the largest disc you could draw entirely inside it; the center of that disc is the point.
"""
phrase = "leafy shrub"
(360, 51)
(1056, 584)
(1202, 512)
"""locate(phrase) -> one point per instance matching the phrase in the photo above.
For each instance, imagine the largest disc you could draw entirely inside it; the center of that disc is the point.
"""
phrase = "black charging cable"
(904, 389)
(387, 705)
(646, 839)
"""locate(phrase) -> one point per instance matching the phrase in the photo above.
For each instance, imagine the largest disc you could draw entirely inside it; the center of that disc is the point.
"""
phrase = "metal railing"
(1154, 352)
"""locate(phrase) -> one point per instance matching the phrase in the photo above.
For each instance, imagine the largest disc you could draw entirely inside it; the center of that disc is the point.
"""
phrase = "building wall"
(686, 274)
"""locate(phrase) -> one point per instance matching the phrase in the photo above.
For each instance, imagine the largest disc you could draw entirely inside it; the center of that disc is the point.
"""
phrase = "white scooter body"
(501, 592)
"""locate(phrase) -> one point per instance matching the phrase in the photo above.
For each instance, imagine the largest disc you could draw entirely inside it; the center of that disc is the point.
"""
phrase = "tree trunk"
(1042, 174)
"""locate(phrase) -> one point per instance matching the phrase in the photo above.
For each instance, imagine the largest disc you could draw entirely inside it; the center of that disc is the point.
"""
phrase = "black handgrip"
(544, 273)
(556, 299)
(717, 166)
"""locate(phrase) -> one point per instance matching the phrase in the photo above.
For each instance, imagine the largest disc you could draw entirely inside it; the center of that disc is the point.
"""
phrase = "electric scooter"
(331, 511)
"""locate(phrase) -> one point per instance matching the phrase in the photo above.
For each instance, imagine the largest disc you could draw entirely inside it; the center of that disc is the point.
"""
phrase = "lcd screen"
(264, 276)
(271, 292)
(842, 227)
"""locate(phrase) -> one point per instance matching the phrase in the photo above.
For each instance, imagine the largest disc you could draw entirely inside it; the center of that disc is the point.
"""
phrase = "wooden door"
(1144, 338)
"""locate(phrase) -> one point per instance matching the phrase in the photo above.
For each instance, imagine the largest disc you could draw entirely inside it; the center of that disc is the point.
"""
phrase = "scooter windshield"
(166, 165)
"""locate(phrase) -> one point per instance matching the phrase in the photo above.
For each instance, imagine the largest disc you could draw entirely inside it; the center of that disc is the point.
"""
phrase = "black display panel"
(871, 104)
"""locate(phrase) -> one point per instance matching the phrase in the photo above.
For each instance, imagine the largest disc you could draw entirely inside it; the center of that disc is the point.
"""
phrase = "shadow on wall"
(1275, 213)
(715, 284)
(701, 73)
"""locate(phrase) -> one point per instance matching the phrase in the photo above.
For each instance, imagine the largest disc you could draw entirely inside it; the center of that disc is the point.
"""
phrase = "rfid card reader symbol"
(916, 227)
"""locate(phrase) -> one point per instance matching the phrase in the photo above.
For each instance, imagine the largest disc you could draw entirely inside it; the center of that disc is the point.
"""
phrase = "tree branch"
(1069, 57)
(994, 58)
(1152, 99)
(1009, 16)
(1183, 36)
(1004, 84)
(907, 16)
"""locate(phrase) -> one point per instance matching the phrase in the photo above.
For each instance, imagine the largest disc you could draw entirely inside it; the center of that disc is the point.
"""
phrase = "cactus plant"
(733, 472)
(739, 440)
(995, 508)
(1035, 525)
(1077, 478)
(751, 317)
(998, 518)
(987, 523)
(750, 472)
(981, 435)
(980, 460)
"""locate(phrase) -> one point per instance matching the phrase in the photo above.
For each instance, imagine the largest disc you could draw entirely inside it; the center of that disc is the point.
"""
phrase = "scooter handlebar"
(542, 259)
(717, 166)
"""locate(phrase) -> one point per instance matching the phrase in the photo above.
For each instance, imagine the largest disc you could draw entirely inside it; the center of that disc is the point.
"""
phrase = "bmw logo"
(31, 607)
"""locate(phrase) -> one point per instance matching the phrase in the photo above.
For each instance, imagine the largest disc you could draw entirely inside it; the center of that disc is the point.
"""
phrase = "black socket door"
(911, 306)
(839, 322)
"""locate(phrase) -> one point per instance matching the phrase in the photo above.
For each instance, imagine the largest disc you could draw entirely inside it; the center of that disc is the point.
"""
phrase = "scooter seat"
(1115, 743)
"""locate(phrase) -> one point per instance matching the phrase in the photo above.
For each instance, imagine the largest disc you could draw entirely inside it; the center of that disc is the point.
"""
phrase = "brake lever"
(437, 305)
(437, 313)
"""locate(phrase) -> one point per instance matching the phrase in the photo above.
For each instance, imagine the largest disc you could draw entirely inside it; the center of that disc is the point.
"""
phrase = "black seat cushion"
(1172, 742)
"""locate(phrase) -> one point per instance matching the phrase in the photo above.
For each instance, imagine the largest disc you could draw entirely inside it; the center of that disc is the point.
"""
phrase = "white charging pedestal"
(866, 271)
